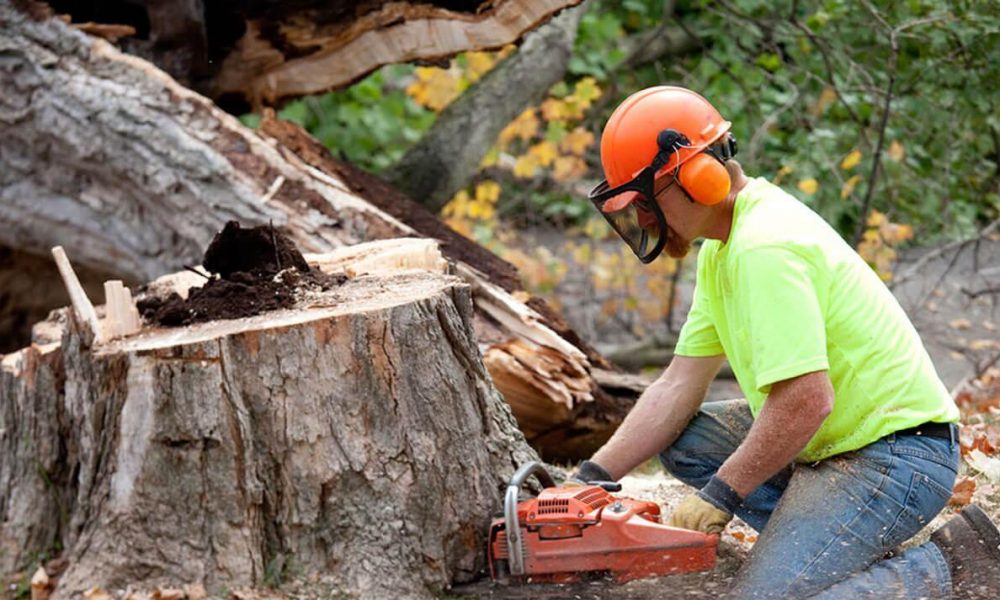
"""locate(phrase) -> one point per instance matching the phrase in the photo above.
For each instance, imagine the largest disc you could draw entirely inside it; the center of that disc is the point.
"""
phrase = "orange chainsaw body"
(567, 531)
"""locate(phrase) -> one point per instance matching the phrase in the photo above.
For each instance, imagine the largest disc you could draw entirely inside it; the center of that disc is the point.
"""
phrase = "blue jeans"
(827, 530)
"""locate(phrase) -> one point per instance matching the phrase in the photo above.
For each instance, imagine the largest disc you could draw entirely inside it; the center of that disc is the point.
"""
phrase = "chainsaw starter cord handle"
(718, 493)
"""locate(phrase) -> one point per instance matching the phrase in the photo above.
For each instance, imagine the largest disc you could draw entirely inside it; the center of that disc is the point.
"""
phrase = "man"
(845, 446)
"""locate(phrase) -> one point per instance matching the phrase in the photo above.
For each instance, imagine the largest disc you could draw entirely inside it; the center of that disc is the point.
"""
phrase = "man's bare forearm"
(791, 415)
(660, 414)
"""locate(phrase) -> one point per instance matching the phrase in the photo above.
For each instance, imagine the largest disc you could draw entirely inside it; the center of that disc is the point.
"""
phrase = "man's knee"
(712, 435)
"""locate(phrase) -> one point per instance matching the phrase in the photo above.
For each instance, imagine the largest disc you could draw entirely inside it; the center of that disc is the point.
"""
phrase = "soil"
(254, 270)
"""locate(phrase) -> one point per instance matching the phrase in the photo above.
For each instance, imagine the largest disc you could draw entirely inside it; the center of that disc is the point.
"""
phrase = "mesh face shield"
(633, 213)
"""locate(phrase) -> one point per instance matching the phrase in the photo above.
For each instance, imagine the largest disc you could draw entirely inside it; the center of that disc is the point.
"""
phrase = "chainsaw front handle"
(514, 548)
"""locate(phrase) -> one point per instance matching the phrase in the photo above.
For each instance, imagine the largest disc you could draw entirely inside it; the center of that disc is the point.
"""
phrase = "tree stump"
(357, 436)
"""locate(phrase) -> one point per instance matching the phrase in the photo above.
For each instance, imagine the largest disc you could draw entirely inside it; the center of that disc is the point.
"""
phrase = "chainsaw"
(568, 533)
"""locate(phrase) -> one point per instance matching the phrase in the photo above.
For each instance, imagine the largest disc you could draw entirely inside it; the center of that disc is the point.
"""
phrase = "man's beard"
(676, 246)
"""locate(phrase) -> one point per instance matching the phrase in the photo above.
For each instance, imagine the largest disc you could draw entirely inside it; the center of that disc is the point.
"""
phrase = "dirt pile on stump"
(254, 270)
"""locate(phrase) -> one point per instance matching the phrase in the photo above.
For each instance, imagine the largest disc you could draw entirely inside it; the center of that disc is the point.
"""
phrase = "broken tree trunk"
(133, 174)
(356, 436)
(260, 53)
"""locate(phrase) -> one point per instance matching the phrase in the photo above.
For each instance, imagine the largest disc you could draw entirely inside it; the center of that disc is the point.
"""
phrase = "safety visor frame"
(645, 209)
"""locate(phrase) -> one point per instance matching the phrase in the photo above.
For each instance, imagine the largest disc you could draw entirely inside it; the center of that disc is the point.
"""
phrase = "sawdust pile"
(254, 270)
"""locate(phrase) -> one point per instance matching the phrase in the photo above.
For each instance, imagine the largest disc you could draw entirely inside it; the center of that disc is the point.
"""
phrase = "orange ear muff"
(705, 179)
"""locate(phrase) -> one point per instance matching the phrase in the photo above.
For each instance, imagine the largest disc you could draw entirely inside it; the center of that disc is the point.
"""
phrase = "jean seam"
(939, 561)
(910, 493)
(845, 527)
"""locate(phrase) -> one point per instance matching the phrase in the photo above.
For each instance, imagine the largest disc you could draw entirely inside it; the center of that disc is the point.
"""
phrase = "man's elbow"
(824, 406)
(822, 403)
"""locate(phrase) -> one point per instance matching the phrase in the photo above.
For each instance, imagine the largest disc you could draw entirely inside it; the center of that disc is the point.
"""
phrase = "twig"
(980, 370)
(973, 295)
(197, 272)
(877, 157)
(274, 244)
(917, 266)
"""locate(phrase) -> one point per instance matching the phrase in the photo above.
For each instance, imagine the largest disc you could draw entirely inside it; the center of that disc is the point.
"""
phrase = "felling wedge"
(568, 532)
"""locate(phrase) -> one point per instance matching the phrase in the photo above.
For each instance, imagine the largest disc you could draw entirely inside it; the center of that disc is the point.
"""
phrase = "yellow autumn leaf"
(460, 226)
(875, 219)
(597, 228)
(554, 109)
(568, 168)
(808, 186)
(545, 152)
(574, 108)
(848, 188)
(587, 90)
(490, 158)
(784, 170)
(457, 206)
(435, 88)
(960, 324)
(825, 99)
(479, 63)
(524, 127)
(488, 191)
(851, 160)
(582, 254)
(984, 344)
(526, 166)
(896, 151)
(577, 141)
(481, 210)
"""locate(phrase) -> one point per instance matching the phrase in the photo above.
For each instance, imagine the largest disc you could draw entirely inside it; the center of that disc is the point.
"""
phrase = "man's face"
(671, 199)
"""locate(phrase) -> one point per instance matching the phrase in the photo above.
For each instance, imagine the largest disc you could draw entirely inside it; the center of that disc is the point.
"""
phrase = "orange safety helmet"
(671, 120)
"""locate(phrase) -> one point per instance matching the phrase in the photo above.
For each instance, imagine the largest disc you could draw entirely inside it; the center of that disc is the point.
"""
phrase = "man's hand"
(709, 509)
(699, 515)
(589, 472)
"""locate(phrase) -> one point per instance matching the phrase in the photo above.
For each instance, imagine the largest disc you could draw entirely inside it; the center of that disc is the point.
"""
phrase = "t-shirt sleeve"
(783, 316)
(698, 335)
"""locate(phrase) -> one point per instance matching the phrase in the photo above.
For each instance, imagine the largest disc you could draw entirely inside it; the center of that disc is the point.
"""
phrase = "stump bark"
(357, 436)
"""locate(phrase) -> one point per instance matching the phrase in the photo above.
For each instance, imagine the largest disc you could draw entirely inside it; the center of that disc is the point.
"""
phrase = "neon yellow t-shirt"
(786, 296)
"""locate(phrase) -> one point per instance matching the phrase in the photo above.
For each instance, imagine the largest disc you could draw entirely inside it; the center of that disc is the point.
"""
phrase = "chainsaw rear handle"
(514, 549)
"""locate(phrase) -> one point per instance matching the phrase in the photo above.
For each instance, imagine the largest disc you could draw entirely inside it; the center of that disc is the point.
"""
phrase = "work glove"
(588, 473)
(708, 510)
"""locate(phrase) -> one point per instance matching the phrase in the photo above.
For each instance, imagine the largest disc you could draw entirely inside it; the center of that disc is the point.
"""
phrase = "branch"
(447, 156)
(877, 157)
(919, 265)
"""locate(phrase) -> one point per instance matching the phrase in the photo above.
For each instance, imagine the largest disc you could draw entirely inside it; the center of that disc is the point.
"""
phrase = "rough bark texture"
(259, 53)
(133, 174)
(449, 154)
(359, 437)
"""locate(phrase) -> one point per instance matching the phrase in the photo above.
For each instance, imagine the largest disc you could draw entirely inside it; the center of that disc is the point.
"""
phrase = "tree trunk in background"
(357, 436)
(133, 174)
(447, 156)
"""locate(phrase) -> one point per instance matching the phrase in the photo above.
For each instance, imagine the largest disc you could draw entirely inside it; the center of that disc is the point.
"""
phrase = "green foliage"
(807, 89)
(371, 123)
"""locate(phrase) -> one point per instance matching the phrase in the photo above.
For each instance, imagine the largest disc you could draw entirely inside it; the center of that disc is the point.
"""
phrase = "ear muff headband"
(703, 176)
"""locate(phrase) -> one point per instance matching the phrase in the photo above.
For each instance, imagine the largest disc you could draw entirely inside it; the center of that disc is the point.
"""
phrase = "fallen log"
(355, 435)
(260, 53)
(133, 174)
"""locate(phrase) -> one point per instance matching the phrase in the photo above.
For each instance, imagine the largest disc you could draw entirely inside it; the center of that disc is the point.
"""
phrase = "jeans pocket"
(924, 500)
